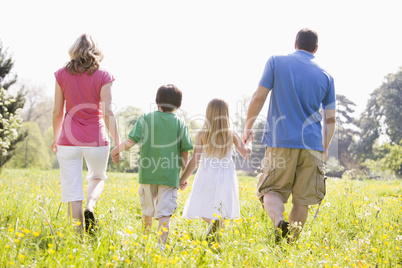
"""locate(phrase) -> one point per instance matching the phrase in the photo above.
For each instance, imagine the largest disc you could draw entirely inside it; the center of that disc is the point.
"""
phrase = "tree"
(48, 138)
(383, 115)
(126, 119)
(10, 110)
(343, 143)
(254, 163)
(388, 159)
(32, 152)
(38, 107)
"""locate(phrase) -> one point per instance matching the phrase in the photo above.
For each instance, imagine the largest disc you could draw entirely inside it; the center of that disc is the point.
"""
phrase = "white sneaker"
(162, 247)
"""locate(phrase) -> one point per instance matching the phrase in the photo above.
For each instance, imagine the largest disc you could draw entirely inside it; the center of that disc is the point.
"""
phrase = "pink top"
(83, 123)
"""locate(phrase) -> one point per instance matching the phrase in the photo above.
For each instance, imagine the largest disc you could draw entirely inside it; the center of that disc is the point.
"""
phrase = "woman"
(84, 91)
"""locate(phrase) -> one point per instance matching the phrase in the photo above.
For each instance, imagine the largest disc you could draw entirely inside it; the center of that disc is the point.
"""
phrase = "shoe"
(161, 247)
(90, 222)
(281, 231)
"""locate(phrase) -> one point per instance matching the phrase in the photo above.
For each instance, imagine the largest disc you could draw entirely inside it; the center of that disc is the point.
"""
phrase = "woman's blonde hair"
(85, 55)
(216, 136)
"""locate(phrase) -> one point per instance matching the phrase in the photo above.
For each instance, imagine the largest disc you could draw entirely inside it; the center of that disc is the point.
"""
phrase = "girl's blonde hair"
(85, 55)
(216, 136)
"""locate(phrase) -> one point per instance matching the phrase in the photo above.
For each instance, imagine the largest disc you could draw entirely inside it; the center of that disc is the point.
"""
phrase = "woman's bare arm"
(58, 111)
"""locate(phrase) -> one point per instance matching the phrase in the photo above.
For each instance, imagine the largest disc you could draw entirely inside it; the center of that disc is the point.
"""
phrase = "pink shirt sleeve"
(59, 74)
(107, 78)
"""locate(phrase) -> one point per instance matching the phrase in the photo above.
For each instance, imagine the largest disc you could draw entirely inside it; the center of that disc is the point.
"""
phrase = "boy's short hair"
(168, 98)
(307, 40)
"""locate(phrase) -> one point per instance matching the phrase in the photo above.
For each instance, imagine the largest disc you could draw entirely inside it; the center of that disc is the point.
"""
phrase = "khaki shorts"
(299, 172)
(157, 201)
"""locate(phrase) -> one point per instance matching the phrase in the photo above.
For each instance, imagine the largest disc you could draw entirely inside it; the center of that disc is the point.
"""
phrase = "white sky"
(207, 48)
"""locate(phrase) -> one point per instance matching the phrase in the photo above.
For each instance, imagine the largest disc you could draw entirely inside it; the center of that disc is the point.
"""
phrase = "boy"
(165, 142)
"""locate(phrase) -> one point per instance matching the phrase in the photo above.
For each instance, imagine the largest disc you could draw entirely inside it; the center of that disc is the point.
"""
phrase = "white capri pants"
(70, 162)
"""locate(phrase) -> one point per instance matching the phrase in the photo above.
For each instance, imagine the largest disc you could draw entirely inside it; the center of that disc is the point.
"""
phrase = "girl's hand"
(183, 185)
(54, 146)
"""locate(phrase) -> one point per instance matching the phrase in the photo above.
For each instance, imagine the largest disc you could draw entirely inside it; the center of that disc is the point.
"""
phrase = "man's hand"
(248, 136)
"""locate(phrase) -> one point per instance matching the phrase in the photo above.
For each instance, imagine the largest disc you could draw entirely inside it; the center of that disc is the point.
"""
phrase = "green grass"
(359, 225)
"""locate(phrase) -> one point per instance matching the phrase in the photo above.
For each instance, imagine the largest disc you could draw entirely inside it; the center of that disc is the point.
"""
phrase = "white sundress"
(215, 190)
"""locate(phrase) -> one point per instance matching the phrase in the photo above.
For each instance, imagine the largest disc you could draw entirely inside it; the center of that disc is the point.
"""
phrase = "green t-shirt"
(162, 137)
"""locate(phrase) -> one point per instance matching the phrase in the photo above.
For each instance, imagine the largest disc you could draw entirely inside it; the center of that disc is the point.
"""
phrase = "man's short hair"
(168, 98)
(307, 40)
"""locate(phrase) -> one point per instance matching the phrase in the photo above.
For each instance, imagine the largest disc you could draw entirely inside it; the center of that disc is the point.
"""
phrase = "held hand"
(54, 146)
(116, 159)
(116, 156)
(183, 185)
(248, 136)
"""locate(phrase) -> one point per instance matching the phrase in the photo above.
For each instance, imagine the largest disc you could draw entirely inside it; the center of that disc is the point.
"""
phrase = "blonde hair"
(216, 136)
(85, 55)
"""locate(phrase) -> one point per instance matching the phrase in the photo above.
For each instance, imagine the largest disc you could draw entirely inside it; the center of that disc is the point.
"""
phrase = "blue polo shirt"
(298, 89)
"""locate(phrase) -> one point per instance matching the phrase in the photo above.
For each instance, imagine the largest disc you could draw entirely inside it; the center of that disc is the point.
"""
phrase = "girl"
(215, 191)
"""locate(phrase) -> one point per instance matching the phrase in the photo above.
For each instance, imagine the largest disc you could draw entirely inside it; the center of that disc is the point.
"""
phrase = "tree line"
(370, 144)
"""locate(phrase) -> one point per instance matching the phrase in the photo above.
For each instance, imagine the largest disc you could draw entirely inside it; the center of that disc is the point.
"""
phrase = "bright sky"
(207, 48)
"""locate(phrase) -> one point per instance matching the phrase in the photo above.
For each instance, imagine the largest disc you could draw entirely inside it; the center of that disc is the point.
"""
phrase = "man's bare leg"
(297, 217)
(274, 207)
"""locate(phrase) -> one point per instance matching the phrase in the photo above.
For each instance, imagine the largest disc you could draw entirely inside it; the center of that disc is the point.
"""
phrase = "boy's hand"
(116, 156)
(183, 185)
(116, 159)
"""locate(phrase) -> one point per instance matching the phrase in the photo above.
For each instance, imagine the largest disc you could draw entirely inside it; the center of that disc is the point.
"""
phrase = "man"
(296, 145)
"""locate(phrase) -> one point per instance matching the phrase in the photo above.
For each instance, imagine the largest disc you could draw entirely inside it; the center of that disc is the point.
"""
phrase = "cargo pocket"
(321, 182)
(141, 193)
(173, 202)
(265, 181)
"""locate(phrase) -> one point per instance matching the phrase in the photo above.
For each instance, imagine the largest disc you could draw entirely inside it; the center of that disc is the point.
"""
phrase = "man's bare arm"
(328, 129)
(254, 109)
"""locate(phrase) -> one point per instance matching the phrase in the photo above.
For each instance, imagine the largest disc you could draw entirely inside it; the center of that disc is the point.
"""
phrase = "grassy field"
(359, 225)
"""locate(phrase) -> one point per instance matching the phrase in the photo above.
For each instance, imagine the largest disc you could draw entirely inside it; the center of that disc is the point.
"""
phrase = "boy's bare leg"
(75, 212)
(147, 222)
(164, 228)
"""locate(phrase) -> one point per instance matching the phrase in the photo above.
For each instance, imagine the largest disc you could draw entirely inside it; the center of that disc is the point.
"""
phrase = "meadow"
(359, 225)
